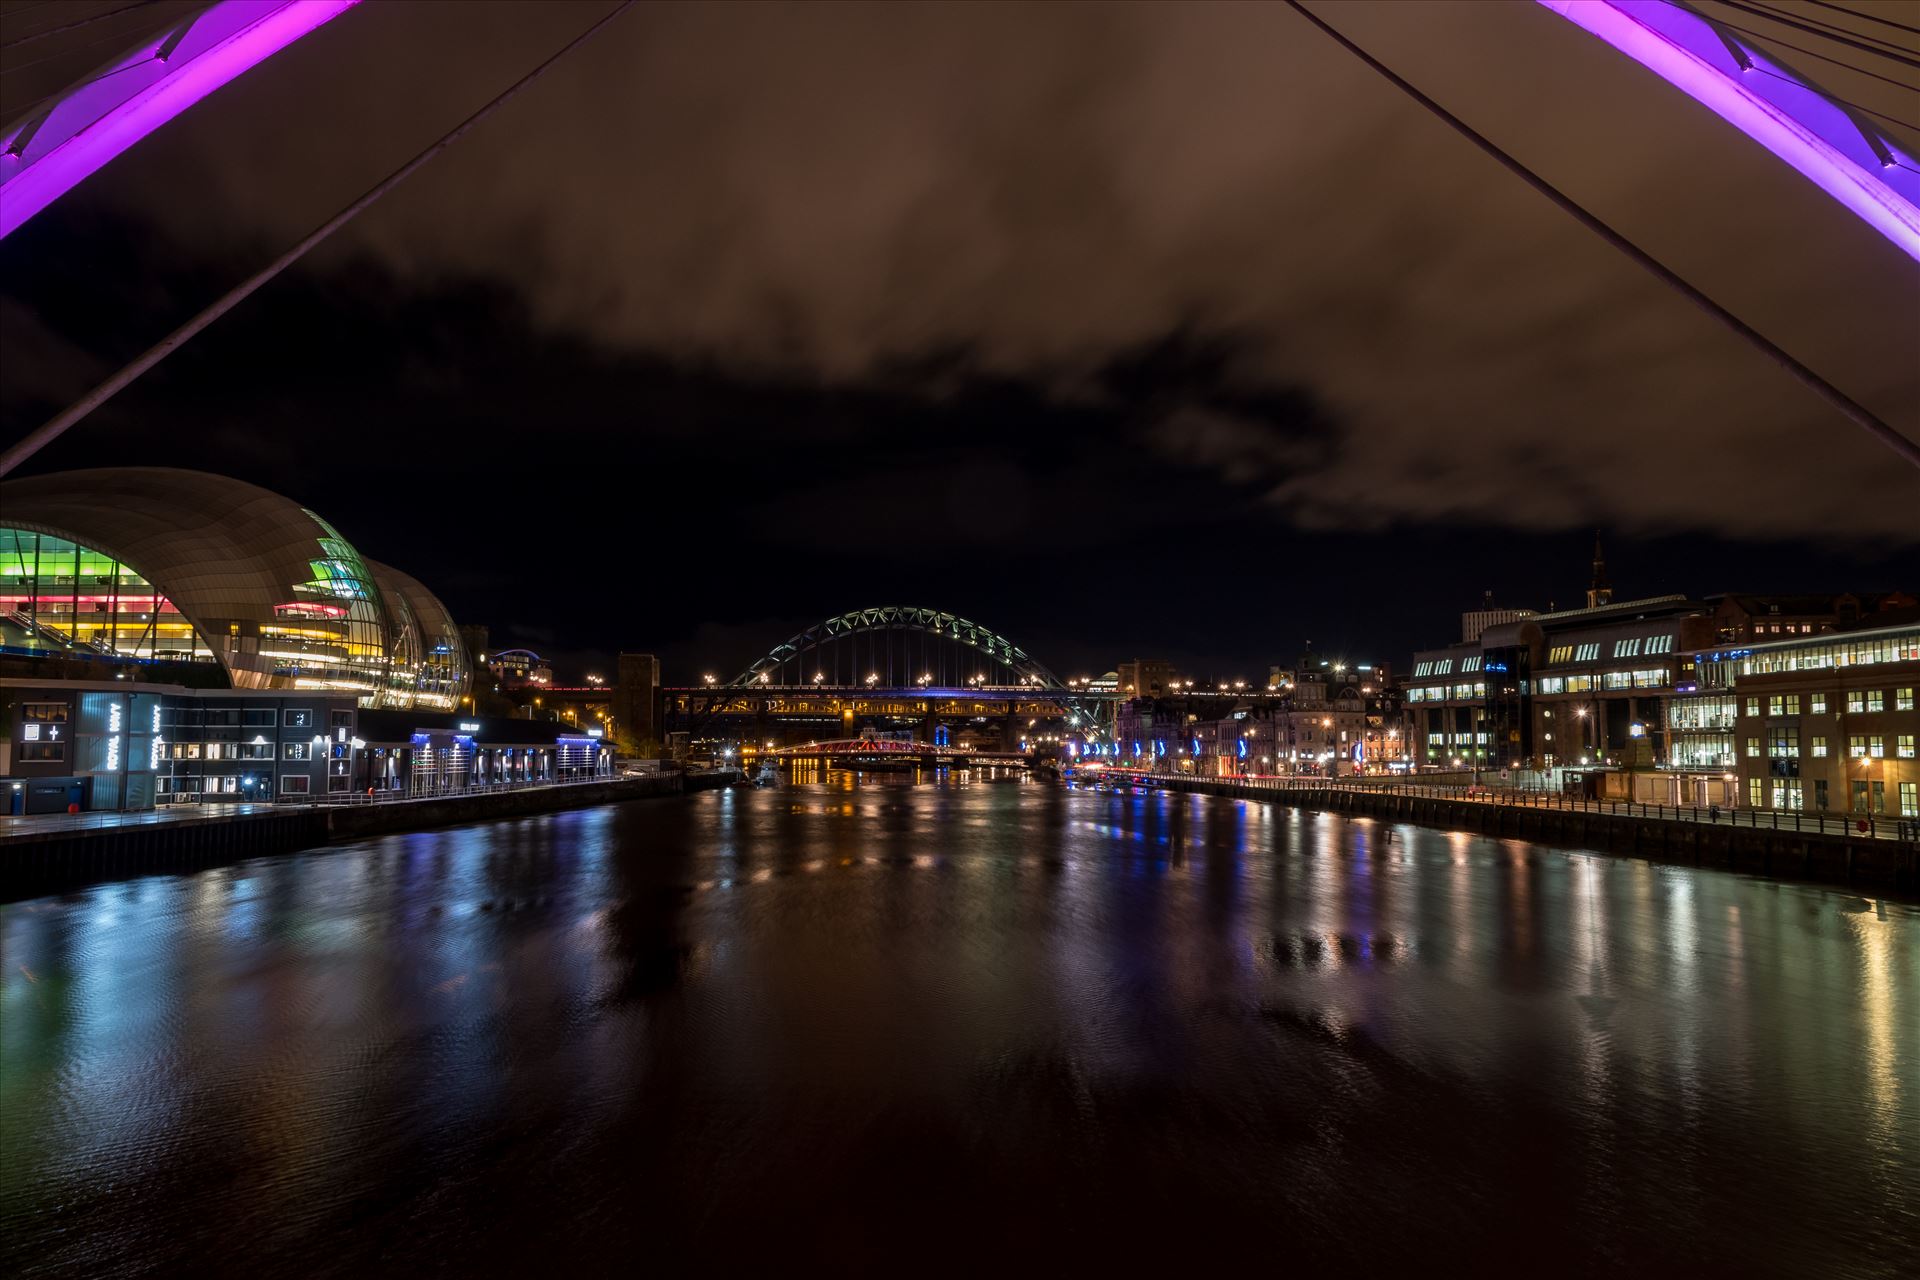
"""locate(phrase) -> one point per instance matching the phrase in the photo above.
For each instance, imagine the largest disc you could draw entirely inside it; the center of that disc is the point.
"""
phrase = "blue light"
(1196, 746)
(1243, 748)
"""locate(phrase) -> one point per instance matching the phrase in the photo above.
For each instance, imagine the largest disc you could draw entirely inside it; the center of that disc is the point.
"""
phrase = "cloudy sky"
(1123, 328)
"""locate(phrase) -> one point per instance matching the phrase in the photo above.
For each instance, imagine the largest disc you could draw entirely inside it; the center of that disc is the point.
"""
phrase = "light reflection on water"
(922, 1028)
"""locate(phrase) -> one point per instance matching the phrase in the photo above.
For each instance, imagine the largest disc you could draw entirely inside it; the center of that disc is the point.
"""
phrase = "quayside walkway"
(1869, 850)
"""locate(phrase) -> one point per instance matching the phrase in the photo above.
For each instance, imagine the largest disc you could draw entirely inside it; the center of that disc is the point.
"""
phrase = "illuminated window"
(1910, 800)
(297, 751)
(1876, 699)
(1753, 706)
(1819, 747)
(1857, 701)
(1903, 746)
(1755, 796)
(1817, 703)
(1877, 747)
(1587, 653)
(1857, 746)
(1786, 793)
(1783, 744)
(58, 596)
(1753, 748)
(1903, 699)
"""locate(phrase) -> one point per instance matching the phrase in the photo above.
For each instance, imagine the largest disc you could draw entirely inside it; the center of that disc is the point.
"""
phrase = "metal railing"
(1869, 825)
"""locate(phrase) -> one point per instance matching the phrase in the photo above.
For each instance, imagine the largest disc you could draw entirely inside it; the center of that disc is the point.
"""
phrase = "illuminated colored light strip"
(1770, 103)
(96, 120)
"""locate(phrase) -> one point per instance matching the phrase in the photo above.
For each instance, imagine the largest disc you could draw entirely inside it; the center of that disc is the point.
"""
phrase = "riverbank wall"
(1825, 858)
(34, 864)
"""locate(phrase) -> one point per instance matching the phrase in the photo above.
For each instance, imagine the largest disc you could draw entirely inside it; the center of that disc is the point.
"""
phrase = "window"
(1819, 751)
(256, 751)
(299, 717)
(1903, 699)
(1903, 746)
(342, 719)
(44, 712)
(1787, 704)
(1856, 701)
(1754, 794)
(1469, 664)
(1558, 654)
(1820, 794)
(258, 718)
(1753, 748)
(1879, 803)
(1876, 699)
(294, 783)
(1783, 744)
(1859, 797)
(1817, 703)
(295, 751)
(1553, 684)
(1753, 706)
(1443, 667)
(1910, 800)
(1587, 653)
(1626, 648)
(1877, 746)
(43, 751)
(1857, 746)
(1660, 644)
(1786, 793)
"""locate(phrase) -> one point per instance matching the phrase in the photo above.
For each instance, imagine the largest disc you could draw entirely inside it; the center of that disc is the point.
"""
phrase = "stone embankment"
(41, 861)
(1830, 857)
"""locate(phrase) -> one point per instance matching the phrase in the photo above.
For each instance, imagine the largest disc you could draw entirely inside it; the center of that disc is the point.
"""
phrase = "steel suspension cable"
(1797, 25)
(1853, 409)
(75, 25)
(1868, 17)
(52, 430)
(1832, 28)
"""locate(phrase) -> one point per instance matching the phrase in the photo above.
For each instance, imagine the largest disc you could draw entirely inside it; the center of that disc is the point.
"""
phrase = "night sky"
(1124, 330)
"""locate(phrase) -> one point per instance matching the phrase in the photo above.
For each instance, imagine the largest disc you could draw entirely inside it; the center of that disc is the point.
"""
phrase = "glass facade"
(58, 595)
(227, 573)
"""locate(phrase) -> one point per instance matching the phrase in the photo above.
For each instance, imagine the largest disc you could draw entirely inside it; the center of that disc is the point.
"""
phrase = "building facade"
(211, 580)
(1821, 723)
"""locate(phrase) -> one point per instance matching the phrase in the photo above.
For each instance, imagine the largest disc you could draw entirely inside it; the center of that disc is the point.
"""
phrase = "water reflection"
(918, 1027)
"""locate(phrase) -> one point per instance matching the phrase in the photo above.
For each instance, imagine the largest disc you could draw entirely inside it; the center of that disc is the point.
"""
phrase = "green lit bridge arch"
(899, 647)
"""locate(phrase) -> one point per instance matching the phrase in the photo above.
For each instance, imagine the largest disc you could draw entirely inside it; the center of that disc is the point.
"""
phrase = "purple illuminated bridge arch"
(70, 135)
(1784, 111)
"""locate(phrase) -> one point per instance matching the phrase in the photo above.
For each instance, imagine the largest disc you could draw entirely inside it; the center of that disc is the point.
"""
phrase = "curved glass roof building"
(155, 564)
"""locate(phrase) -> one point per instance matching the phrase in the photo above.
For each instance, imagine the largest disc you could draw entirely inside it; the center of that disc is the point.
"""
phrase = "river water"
(894, 1029)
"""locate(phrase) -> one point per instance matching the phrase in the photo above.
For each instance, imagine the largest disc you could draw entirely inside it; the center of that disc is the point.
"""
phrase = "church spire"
(1601, 590)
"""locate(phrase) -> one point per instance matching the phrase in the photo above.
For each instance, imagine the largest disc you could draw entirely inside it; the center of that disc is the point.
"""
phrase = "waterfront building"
(1147, 678)
(158, 574)
(1821, 723)
(1327, 720)
(133, 745)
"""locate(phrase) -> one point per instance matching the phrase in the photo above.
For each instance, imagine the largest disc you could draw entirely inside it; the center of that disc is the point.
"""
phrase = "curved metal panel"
(437, 673)
(279, 596)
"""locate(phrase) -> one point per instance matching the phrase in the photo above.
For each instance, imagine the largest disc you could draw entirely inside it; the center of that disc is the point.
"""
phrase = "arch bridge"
(890, 668)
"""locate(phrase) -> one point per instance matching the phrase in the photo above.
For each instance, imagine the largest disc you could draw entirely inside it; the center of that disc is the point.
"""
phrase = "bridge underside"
(792, 715)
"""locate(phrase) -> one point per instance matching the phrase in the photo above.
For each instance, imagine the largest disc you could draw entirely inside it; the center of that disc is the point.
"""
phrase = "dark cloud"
(1137, 279)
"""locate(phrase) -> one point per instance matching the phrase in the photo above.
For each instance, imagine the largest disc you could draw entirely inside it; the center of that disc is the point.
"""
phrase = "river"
(933, 1029)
